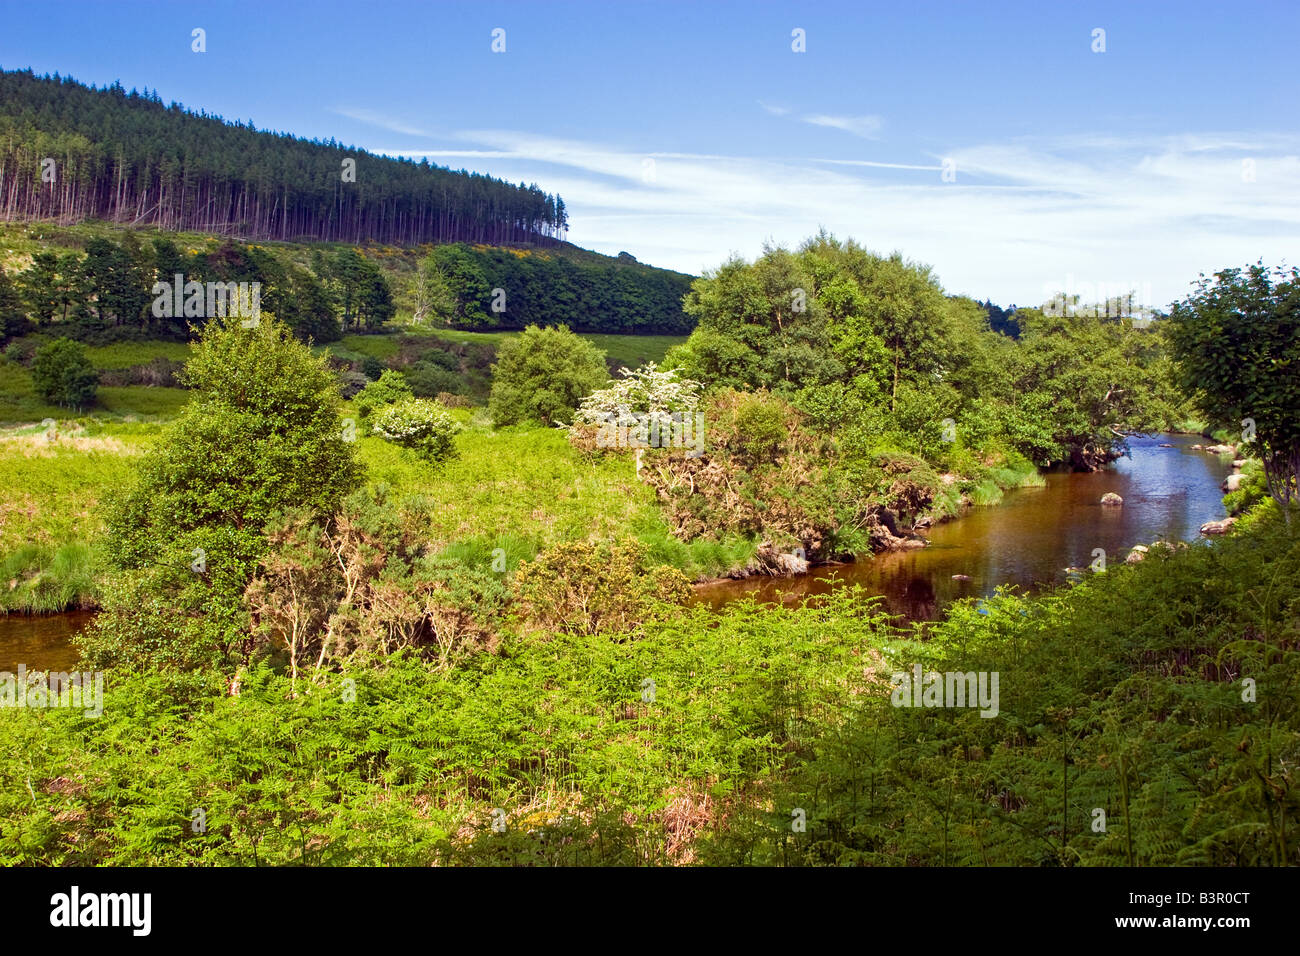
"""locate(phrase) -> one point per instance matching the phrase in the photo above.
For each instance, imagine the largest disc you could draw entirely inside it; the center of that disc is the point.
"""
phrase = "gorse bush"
(763, 475)
(418, 424)
(354, 586)
(586, 588)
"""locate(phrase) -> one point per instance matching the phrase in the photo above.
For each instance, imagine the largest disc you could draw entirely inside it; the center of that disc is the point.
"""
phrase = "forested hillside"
(94, 283)
(456, 285)
(128, 157)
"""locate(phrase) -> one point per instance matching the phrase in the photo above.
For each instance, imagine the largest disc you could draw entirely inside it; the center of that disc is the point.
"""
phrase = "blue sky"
(1175, 151)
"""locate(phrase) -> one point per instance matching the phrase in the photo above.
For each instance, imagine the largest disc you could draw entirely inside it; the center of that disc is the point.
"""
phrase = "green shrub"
(390, 387)
(755, 426)
(261, 434)
(428, 380)
(61, 373)
(542, 374)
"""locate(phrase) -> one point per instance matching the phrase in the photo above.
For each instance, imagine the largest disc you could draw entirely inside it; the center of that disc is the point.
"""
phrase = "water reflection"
(41, 641)
(1033, 536)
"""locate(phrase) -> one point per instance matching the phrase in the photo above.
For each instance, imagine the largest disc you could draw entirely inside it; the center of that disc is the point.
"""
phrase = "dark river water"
(1032, 536)
(1027, 540)
(41, 641)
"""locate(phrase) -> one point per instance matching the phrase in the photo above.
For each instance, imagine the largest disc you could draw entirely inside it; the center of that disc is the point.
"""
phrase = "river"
(1032, 536)
(40, 641)
(1027, 540)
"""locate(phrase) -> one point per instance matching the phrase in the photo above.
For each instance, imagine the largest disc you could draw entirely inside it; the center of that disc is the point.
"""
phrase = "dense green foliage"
(100, 286)
(1237, 343)
(262, 434)
(388, 388)
(1161, 696)
(702, 738)
(62, 374)
(128, 157)
(541, 377)
(479, 287)
(119, 289)
(868, 345)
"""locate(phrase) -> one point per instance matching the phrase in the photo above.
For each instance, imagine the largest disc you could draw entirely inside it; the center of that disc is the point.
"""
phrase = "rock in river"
(1218, 527)
(1111, 499)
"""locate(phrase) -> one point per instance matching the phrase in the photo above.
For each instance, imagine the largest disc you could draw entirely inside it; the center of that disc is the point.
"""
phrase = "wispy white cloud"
(868, 127)
(873, 165)
(774, 110)
(371, 118)
(1023, 217)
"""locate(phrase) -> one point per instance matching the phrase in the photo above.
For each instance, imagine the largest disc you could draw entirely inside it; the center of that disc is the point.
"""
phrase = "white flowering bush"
(419, 424)
(646, 408)
(647, 390)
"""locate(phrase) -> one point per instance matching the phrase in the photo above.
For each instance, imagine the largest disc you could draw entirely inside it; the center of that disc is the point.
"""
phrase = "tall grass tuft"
(985, 493)
(701, 558)
(41, 579)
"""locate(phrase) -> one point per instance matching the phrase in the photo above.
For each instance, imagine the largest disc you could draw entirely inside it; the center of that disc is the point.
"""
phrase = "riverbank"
(1027, 541)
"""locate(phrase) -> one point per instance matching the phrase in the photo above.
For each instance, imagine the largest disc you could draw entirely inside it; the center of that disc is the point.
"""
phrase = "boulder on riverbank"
(1218, 527)
(1239, 463)
(1111, 500)
(1232, 482)
(780, 563)
(1222, 449)
(1138, 553)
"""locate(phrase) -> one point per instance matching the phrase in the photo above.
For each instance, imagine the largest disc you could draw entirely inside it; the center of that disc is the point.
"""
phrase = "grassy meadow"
(521, 489)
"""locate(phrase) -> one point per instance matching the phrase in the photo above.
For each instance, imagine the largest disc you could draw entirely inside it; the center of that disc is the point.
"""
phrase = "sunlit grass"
(632, 351)
(125, 354)
(527, 483)
(20, 403)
